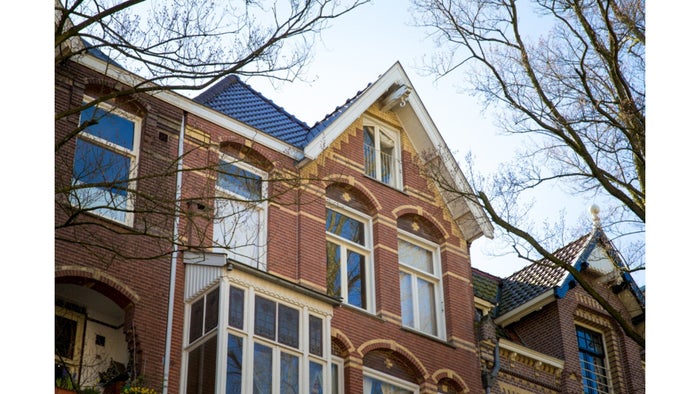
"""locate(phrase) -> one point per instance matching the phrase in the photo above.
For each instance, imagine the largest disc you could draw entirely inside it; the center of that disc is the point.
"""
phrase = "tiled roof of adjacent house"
(234, 98)
(539, 277)
(485, 285)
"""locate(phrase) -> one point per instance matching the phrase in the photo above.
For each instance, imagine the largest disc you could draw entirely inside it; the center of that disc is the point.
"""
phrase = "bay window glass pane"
(289, 373)
(315, 335)
(356, 279)
(415, 256)
(345, 227)
(196, 319)
(235, 307)
(211, 310)
(335, 381)
(406, 299)
(426, 305)
(333, 274)
(234, 364)
(265, 317)
(288, 326)
(239, 181)
(315, 378)
(201, 368)
(262, 369)
(110, 127)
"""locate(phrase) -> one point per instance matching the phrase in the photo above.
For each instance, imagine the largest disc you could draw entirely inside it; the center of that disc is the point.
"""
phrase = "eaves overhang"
(224, 264)
(526, 308)
(529, 353)
(189, 106)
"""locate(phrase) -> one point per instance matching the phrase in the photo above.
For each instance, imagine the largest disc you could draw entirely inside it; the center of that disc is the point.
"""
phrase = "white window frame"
(606, 358)
(366, 250)
(261, 208)
(435, 278)
(394, 381)
(339, 363)
(396, 163)
(249, 338)
(79, 197)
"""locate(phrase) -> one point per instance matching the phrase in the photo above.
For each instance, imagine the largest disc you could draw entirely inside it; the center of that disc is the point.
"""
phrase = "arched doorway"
(90, 346)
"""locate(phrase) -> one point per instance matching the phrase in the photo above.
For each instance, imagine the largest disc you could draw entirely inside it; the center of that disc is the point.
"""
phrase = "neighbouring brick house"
(226, 246)
(540, 332)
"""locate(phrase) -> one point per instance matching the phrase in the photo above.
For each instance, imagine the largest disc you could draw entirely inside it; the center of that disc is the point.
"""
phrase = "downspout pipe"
(173, 256)
(489, 378)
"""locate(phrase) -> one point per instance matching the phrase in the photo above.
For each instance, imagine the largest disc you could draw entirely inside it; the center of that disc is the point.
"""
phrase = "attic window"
(382, 152)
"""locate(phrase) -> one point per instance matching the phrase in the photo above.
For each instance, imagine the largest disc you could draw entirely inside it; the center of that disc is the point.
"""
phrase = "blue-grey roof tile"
(321, 125)
(236, 99)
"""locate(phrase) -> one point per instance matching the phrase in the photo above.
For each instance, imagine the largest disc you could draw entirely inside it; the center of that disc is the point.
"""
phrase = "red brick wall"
(138, 267)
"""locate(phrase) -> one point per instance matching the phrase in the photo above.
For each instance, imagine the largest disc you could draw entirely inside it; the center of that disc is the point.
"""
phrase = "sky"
(366, 42)
(343, 65)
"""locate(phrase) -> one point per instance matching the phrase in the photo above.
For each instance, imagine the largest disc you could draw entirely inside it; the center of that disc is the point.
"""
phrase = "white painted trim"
(389, 379)
(364, 101)
(525, 309)
(368, 248)
(527, 352)
(188, 105)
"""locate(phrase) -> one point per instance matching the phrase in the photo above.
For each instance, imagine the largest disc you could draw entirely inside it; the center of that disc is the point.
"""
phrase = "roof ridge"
(216, 89)
(544, 259)
(316, 129)
(486, 274)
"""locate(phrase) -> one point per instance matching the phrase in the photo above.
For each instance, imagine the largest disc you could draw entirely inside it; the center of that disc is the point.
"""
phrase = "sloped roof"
(539, 277)
(236, 99)
(485, 285)
(239, 101)
(542, 281)
(321, 125)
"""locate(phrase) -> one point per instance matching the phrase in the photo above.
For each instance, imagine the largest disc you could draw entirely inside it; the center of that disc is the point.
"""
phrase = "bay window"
(270, 346)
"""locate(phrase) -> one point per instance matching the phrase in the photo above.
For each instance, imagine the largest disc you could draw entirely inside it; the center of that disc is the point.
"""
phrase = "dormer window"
(382, 150)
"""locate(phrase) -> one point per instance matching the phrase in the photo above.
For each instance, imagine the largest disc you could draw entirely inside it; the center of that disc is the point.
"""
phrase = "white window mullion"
(222, 334)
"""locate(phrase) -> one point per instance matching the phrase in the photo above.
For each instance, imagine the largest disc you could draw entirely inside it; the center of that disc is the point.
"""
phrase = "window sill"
(400, 190)
(428, 336)
(362, 311)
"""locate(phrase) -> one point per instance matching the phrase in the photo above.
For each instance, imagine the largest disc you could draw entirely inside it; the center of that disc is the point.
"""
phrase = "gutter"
(525, 309)
(173, 258)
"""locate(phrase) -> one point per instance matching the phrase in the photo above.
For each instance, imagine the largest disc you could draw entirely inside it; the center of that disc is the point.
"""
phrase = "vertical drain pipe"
(173, 258)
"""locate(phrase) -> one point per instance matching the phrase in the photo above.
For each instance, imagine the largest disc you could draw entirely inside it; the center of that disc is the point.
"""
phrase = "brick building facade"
(220, 245)
(541, 332)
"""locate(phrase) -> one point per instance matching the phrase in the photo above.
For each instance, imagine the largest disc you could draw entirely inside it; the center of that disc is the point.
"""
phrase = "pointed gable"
(542, 282)
(393, 91)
